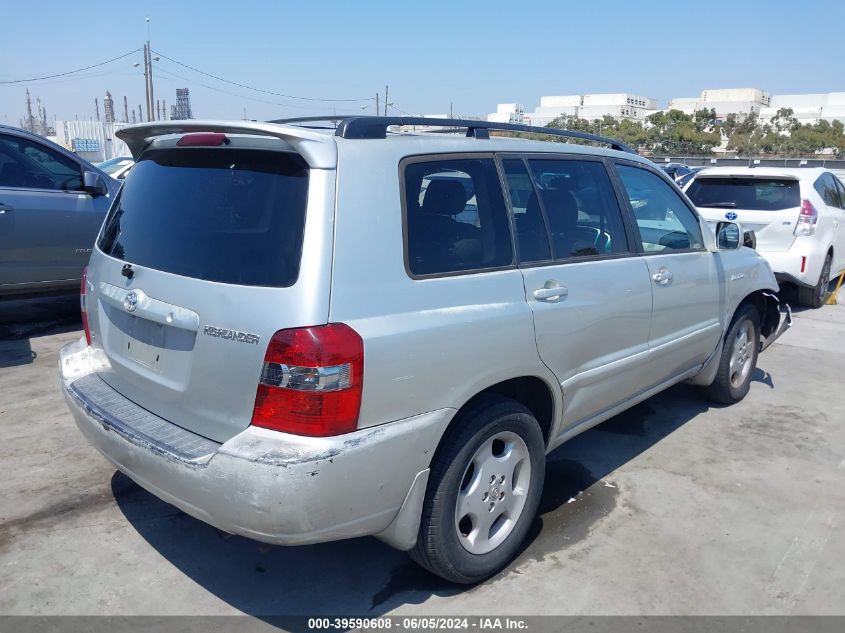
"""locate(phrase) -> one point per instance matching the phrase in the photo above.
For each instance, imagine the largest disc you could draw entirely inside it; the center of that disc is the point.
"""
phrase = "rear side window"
(752, 194)
(228, 215)
(455, 216)
(825, 185)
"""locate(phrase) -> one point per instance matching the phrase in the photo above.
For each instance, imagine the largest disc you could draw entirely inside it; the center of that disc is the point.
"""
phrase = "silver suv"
(302, 335)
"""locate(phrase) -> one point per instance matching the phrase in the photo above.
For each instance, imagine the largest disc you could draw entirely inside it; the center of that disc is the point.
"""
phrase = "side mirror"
(93, 184)
(728, 236)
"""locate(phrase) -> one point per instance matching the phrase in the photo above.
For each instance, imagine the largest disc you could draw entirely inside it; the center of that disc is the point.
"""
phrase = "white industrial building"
(590, 106)
(741, 102)
(808, 108)
(725, 101)
(508, 113)
(93, 140)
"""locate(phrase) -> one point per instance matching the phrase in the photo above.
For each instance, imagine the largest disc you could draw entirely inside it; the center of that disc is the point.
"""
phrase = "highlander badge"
(232, 335)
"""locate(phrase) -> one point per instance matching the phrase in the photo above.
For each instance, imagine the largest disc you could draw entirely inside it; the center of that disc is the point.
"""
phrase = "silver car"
(302, 335)
(52, 203)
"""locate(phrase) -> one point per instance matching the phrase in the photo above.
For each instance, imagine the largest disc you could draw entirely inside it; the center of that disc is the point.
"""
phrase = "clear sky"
(431, 53)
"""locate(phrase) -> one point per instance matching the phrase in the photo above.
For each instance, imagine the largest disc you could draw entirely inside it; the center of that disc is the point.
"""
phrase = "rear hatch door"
(767, 205)
(199, 262)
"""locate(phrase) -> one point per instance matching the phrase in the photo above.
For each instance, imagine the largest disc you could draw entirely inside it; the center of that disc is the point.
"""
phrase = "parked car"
(682, 180)
(117, 167)
(52, 203)
(795, 213)
(300, 336)
(675, 170)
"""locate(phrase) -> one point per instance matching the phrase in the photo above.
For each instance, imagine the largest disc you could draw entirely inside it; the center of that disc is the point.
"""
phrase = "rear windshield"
(228, 215)
(754, 194)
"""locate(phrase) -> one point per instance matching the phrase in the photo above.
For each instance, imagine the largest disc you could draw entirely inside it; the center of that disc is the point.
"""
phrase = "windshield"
(753, 194)
(227, 215)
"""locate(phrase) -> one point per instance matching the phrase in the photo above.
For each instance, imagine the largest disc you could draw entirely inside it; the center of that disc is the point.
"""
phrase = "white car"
(797, 215)
(117, 167)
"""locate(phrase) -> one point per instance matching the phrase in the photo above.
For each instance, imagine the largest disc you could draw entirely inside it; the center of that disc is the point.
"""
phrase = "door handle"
(551, 292)
(663, 277)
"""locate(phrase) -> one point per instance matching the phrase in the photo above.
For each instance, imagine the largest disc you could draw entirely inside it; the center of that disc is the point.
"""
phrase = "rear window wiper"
(719, 205)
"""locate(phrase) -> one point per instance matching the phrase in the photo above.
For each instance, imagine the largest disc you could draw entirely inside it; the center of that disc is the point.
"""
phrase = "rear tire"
(816, 296)
(483, 492)
(738, 359)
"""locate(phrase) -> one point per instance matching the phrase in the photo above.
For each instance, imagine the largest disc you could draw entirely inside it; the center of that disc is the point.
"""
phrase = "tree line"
(680, 134)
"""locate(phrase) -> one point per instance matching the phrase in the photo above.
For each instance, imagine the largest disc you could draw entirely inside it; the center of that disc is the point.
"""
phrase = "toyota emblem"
(730, 215)
(130, 302)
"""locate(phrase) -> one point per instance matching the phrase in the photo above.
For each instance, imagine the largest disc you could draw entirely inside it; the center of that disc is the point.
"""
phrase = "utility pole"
(140, 116)
(125, 110)
(385, 100)
(450, 111)
(97, 108)
(377, 108)
(150, 95)
(158, 110)
(163, 110)
(147, 80)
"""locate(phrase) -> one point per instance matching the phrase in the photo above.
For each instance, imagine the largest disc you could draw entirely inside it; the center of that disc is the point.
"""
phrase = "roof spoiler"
(318, 149)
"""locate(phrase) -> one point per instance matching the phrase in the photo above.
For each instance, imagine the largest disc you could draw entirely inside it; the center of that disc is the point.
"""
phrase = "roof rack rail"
(375, 127)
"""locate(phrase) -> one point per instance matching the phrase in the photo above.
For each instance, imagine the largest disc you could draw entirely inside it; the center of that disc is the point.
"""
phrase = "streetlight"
(148, 74)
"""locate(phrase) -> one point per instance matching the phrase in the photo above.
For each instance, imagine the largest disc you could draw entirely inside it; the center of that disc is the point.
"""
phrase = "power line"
(70, 72)
(167, 74)
(269, 92)
(398, 110)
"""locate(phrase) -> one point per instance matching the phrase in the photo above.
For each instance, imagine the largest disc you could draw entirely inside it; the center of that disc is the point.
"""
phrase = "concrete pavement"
(674, 507)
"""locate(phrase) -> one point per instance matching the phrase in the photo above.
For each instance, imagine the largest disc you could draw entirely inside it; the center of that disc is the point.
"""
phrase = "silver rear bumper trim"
(139, 426)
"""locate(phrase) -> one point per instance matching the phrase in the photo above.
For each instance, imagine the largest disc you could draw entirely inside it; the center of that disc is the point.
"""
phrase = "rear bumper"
(787, 266)
(270, 486)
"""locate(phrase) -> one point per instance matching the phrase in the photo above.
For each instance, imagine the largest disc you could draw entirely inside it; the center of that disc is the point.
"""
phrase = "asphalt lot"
(675, 507)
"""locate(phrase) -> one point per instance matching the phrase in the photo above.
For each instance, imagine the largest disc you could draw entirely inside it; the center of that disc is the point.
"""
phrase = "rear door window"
(227, 215)
(750, 194)
(455, 216)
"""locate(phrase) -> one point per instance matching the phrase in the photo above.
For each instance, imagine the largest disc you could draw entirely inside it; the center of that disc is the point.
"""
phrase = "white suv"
(795, 214)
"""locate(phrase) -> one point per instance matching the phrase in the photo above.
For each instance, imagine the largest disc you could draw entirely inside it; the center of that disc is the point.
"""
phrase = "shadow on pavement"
(23, 319)
(364, 576)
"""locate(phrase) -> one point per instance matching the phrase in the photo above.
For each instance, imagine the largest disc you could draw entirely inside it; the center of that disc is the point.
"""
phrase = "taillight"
(807, 219)
(311, 381)
(83, 304)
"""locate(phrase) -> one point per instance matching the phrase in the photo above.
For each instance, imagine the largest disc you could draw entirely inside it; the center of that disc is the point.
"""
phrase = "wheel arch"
(533, 392)
(767, 306)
